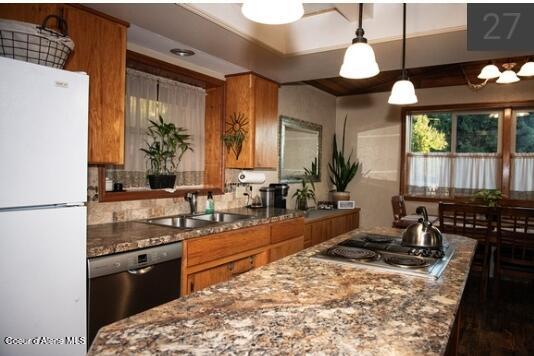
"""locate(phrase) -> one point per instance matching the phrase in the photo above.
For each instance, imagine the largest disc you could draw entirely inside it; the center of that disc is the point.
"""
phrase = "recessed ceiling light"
(182, 52)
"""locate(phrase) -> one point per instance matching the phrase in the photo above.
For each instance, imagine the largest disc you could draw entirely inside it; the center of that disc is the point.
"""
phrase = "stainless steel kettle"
(422, 234)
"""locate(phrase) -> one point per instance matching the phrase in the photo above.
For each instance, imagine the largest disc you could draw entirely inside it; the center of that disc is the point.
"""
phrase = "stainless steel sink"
(221, 217)
(179, 222)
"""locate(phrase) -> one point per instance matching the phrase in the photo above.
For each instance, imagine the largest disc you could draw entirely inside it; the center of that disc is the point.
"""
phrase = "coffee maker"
(280, 194)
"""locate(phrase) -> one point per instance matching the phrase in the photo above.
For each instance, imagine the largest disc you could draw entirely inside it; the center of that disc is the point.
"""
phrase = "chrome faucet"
(191, 197)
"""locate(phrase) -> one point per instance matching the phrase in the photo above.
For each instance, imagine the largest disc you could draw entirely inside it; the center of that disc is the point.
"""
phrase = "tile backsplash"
(100, 212)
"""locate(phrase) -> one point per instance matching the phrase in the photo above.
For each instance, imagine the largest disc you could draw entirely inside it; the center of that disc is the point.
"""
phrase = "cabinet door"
(339, 225)
(266, 119)
(240, 100)
(286, 248)
(225, 272)
(321, 231)
(100, 51)
(308, 235)
(32, 13)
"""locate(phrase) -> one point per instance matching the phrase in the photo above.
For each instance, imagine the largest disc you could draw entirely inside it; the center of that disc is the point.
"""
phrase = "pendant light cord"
(404, 39)
(360, 32)
(360, 16)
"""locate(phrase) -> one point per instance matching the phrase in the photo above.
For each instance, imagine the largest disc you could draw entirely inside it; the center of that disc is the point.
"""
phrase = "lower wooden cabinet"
(286, 248)
(323, 229)
(220, 257)
(203, 279)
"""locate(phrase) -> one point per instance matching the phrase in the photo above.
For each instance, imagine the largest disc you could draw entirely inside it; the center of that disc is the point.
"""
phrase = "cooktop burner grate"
(407, 261)
(353, 253)
(378, 238)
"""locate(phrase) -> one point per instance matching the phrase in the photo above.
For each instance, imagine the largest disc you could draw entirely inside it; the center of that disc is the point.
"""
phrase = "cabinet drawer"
(203, 279)
(226, 244)
(287, 230)
(286, 248)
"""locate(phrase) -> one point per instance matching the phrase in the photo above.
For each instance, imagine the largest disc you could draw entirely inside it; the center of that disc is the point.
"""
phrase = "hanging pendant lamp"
(359, 61)
(403, 91)
(273, 12)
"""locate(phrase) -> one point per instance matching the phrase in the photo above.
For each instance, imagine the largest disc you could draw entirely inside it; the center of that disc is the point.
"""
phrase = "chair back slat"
(469, 220)
(516, 236)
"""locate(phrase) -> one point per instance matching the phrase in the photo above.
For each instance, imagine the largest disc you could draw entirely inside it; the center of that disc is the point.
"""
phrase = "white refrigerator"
(43, 191)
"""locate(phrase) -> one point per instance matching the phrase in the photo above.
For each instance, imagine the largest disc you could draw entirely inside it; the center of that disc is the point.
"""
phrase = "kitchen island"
(301, 305)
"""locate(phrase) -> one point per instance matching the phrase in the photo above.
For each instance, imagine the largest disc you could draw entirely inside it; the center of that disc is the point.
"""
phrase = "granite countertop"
(316, 214)
(299, 305)
(105, 239)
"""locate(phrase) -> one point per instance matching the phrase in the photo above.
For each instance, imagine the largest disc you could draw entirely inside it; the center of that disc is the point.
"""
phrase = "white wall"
(374, 133)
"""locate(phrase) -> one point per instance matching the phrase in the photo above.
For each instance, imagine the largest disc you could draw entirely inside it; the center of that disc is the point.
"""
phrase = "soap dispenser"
(210, 204)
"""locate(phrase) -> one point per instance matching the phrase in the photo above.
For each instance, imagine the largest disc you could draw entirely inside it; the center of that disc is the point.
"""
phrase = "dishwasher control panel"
(120, 262)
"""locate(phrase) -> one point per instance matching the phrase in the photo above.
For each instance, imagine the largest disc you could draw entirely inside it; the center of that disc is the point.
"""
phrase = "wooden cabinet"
(324, 228)
(321, 231)
(226, 244)
(218, 258)
(222, 273)
(286, 248)
(257, 99)
(100, 51)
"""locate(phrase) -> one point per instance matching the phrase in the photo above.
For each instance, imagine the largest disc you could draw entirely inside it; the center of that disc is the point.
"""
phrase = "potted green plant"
(489, 197)
(303, 194)
(342, 170)
(165, 141)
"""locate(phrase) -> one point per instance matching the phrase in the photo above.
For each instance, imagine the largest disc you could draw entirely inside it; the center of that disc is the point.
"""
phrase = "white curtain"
(431, 173)
(437, 174)
(472, 172)
(522, 179)
(179, 103)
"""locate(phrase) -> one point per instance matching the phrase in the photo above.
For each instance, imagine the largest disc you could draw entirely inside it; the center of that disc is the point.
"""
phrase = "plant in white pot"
(166, 140)
(342, 170)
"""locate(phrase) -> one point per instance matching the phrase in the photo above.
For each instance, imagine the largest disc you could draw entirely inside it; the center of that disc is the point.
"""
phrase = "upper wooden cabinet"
(257, 99)
(100, 51)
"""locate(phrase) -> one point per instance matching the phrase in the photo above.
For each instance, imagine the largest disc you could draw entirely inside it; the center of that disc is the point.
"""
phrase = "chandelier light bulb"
(527, 70)
(491, 71)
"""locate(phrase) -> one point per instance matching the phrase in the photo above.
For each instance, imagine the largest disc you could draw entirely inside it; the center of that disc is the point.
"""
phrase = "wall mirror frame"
(300, 141)
(214, 126)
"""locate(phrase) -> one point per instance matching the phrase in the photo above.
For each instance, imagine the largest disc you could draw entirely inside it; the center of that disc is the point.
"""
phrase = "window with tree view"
(453, 153)
(522, 161)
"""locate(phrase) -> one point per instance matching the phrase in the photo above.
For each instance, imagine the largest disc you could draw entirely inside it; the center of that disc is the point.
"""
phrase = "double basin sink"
(197, 221)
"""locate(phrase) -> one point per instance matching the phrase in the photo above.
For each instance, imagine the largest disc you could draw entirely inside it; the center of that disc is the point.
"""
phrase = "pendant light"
(403, 91)
(527, 69)
(490, 71)
(508, 76)
(273, 12)
(359, 61)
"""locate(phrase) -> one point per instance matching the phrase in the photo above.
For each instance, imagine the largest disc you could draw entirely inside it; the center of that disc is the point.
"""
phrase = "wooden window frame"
(506, 149)
(214, 175)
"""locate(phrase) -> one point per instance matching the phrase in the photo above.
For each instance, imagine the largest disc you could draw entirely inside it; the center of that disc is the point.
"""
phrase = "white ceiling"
(310, 48)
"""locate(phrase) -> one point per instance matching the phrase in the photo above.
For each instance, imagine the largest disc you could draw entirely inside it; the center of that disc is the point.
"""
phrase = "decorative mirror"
(300, 150)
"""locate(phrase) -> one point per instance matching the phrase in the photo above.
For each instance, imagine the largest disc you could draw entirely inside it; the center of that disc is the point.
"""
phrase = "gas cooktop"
(386, 252)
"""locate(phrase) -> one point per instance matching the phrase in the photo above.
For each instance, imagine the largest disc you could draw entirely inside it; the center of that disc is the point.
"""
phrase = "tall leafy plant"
(165, 147)
(342, 170)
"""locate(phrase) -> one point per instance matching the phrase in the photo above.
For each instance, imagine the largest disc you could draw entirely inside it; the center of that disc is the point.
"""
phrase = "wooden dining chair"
(399, 209)
(400, 218)
(474, 221)
(515, 244)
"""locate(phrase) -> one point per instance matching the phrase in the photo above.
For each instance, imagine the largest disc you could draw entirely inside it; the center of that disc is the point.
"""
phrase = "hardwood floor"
(498, 328)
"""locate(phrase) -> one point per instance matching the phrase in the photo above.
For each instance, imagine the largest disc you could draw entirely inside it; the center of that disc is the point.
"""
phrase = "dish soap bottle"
(210, 204)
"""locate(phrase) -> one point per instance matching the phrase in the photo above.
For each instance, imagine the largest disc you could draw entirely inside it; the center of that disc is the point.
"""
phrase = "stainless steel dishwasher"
(128, 283)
